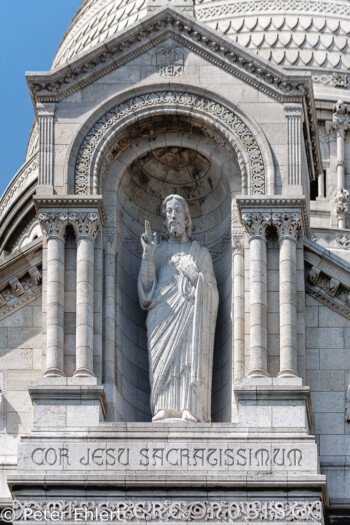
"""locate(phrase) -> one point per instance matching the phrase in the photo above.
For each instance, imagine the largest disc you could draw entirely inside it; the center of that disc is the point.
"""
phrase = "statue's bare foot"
(187, 416)
(161, 414)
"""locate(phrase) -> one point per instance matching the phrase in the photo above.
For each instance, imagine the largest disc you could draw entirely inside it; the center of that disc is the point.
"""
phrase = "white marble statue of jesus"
(178, 288)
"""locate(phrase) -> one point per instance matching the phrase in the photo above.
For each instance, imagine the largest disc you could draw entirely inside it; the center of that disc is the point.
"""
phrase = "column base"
(83, 372)
(258, 372)
(67, 403)
(274, 406)
(287, 372)
(54, 372)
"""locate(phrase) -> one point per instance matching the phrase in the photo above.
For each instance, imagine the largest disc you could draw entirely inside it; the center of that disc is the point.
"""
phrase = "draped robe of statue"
(180, 328)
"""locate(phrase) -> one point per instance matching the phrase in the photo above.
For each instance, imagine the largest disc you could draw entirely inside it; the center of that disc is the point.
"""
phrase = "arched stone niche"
(91, 153)
(172, 156)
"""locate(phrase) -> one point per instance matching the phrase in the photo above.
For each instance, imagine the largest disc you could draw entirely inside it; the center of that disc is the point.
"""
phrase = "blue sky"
(30, 32)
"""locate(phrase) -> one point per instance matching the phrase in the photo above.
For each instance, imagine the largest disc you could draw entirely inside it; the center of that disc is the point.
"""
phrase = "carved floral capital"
(256, 223)
(54, 224)
(341, 201)
(288, 225)
(86, 225)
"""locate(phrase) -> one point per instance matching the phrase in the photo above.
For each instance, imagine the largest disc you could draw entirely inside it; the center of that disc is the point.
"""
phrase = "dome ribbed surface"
(290, 33)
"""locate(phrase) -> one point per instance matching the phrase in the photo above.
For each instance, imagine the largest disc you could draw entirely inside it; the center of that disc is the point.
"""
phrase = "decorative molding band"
(20, 292)
(176, 511)
(223, 119)
(205, 11)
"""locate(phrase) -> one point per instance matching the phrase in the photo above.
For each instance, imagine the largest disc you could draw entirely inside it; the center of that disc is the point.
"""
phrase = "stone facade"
(135, 89)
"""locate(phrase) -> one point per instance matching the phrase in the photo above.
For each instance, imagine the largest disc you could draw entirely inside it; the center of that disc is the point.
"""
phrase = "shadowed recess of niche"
(148, 180)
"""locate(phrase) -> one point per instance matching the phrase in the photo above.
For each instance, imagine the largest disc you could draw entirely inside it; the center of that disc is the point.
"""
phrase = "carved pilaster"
(256, 224)
(86, 225)
(53, 224)
(109, 243)
(45, 114)
(288, 225)
(294, 115)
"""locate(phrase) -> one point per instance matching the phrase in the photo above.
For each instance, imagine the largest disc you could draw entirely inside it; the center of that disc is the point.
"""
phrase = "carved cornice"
(86, 225)
(288, 225)
(130, 43)
(20, 291)
(55, 204)
(276, 205)
(327, 278)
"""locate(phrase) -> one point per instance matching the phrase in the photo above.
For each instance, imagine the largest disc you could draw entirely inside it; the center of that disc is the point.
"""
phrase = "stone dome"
(306, 34)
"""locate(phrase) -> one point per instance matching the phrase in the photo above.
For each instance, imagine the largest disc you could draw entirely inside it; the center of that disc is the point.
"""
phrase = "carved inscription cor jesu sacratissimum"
(176, 456)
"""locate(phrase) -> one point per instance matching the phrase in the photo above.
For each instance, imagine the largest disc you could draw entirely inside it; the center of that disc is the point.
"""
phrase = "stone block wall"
(20, 366)
(328, 375)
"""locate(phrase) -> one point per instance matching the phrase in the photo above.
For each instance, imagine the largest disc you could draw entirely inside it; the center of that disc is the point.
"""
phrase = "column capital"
(86, 224)
(342, 204)
(46, 109)
(341, 121)
(256, 223)
(288, 225)
(53, 224)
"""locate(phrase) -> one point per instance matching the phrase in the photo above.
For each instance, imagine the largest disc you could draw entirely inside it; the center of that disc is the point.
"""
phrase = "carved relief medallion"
(170, 62)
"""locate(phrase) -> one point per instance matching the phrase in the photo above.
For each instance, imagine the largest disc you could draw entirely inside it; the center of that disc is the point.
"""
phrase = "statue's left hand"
(189, 268)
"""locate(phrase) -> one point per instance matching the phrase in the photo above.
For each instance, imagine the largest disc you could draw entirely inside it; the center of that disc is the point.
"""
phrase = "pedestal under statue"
(177, 287)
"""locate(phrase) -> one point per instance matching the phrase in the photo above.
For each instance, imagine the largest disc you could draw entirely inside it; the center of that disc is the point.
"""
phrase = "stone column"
(288, 227)
(86, 226)
(320, 185)
(340, 125)
(109, 336)
(53, 225)
(238, 311)
(46, 125)
(256, 224)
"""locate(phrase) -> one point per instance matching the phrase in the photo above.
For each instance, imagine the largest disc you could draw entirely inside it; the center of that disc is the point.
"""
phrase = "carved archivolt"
(91, 156)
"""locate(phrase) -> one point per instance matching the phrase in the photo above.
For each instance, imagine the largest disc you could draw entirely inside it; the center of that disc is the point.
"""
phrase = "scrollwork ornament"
(288, 225)
(256, 224)
(86, 225)
(179, 511)
(53, 225)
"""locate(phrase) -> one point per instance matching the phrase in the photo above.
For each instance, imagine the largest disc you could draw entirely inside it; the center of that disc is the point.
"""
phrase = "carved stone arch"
(237, 131)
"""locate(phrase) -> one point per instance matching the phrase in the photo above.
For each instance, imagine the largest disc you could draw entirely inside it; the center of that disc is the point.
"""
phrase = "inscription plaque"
(111, 456)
